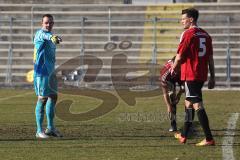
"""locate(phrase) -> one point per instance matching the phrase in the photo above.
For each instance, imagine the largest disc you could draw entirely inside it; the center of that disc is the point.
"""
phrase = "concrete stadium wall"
(62, 1)
(129, 24)
(227, 1)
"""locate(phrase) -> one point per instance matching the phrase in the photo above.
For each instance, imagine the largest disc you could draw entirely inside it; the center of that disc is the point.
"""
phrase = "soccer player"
(45, 87)
(195, 56)
(168, 85)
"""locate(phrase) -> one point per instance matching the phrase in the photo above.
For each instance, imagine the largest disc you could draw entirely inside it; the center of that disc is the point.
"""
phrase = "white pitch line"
(19, 95)
(227, 150)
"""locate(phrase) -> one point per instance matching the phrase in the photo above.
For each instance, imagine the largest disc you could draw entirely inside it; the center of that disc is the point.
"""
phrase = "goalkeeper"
(171, 97)
(44, 67)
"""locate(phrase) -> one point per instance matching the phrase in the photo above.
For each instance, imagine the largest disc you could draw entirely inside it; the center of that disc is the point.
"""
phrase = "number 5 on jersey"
(202, 47)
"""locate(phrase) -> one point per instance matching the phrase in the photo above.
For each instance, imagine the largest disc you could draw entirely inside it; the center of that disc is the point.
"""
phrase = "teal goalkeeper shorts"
(44, 86)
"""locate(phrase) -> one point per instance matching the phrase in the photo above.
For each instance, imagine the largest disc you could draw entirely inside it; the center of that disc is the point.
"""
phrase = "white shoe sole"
(41, 137)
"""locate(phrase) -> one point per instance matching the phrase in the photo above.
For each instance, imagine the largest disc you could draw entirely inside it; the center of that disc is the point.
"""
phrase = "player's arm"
(179, 94)
(42, 36)
(211, 82)
(166, 96)
(176, 64)
(181, 51)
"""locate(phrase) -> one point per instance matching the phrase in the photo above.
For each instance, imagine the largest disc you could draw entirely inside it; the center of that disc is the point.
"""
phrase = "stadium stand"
(134, 23)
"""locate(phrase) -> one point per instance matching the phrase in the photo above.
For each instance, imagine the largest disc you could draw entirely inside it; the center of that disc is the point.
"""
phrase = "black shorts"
(193, 91)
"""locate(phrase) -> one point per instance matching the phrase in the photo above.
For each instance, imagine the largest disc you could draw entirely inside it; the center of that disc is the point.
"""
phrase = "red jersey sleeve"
(183, 47)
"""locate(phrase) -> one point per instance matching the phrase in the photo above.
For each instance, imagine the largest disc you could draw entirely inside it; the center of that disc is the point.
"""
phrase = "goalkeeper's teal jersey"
(44, 53)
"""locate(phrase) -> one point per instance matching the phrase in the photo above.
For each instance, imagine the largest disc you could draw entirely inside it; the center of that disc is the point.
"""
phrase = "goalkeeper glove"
(56, 39)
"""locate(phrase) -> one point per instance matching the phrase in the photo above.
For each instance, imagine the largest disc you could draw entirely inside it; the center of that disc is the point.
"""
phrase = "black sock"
(193, 114)
(188, 121)
(173, 123)
(186, 127)
(203, 119)
(174, 111)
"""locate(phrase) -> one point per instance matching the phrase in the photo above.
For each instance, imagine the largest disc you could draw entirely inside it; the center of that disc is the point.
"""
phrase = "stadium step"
(129, 22)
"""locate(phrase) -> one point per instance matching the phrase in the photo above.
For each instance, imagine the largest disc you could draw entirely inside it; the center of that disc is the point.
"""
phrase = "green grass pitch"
(128, 132)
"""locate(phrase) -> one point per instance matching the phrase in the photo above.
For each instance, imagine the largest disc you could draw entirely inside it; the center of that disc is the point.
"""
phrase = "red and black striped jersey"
(165, 74)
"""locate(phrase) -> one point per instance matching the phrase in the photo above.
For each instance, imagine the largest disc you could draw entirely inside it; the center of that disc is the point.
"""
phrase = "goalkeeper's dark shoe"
(180, 138)
(53, 132)
(206, 143)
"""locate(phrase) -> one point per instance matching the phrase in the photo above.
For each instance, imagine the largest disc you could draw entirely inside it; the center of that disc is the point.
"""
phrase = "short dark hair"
(191, 13)
(47, 15)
